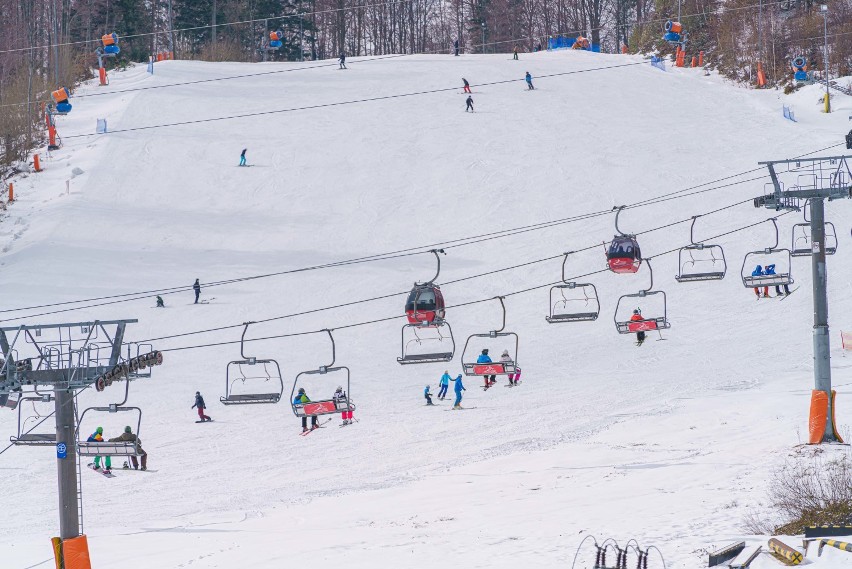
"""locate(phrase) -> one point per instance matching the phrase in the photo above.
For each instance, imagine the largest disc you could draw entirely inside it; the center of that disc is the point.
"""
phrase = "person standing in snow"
(445, 384)
(458, 388)
(197, 288)
(342, 60)
(340, 398)
(199, 404)
(528, 78)
(456, 47)
(427, 396)
(484, 358)
(300, 399)
(160, 303)
(243, 157)
(469, 106)
(515, 53)
(466, 86)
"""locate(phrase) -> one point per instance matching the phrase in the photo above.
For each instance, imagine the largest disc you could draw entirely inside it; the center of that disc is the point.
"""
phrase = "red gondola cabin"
(624, 255)
(425, 304)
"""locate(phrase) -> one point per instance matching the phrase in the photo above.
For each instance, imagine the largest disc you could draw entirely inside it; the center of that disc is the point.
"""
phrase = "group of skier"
(469, 100)
(769, 270)
(341, 403)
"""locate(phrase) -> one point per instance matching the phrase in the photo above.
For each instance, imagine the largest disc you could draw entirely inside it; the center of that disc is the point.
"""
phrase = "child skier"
(98, 437)
(469, 102)
(515, 377)
(427, 396)
(300, 399)
(199, 404)
(640, 335)
(484, 358)
(466, 86)
(243, 157)
(528, 78)
(505, 358)
(445, 384)
(340, 397)
(459, 387)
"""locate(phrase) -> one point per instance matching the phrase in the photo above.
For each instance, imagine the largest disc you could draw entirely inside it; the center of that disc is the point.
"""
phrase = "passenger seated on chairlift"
(128, 437)
(757, 272)
(507, 359)
(340, 395)
(98, 437)
(637, 317)
(770, 270)
(485, 359)
(301, 399)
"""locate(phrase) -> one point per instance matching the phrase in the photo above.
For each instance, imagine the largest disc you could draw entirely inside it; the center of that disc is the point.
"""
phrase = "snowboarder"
(340, 398)
(458, 388)
(640, 335)
(484, 358)
(770, 270)
(128, 437)
(428, 396)
(505, 358)
(199, 404)
(243, 157)
(342, 60)
(528, 78)
(197, 288)
(160, 303)
(515, 53)
(466, 85)
(456, 47)
(758, 271)
(98, 437)
(469, 106)
(300, 399)
(445, 384)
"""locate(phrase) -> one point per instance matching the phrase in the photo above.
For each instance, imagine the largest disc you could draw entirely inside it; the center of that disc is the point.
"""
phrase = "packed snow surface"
(671, 443)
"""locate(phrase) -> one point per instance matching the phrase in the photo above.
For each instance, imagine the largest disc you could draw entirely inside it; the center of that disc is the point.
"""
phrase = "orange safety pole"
(700, 59)
(36, 163)
(761, 76)
(11, 192)
(51, 135)
(102, 76)
(694, 61)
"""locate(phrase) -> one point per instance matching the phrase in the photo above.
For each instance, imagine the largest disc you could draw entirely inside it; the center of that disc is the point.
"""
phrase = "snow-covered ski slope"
(671, 443)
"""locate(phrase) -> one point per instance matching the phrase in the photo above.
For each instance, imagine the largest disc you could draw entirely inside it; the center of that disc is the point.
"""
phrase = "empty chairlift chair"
(780, 258)
(802, 245)
(623, 255)
(472, 367)
(329, 376)
(700, 261)
(427, 337)
(252, 380)
(34, 430)
(573, 301)
(650, 318)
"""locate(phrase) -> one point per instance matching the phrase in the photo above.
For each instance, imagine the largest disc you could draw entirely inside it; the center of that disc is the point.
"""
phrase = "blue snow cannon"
(800, 68)
(110, 44)
(674, 31)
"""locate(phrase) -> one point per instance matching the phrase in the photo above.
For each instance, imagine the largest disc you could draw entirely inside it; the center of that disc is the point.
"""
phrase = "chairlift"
(423, 337)
(700, 261)
(624, 255)
(472, 367)
(573, 301)
(625, 321)
(802, 246)
(250, 372)
(25, 435)
(323, 406)
(105, 447)
(764, 258)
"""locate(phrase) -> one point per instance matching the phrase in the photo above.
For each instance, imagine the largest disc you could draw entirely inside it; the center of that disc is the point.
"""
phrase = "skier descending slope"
(469, 102)
(528, 78)
(466, 88)
(199, 403)
(342, 61)
(243, 157)
(197, 288)
(459, 387)
(428, 396)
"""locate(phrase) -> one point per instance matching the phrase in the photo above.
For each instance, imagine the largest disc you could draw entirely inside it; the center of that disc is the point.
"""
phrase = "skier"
(197, 288)
(515, 53)
(340, 398)
(301, 399)
(770, 270)
(458, 388)
(199, 404)
(528, 78)
(485, 359)
(243, 157)
(515, 377)
(160, 303)
(98, 437)
(342, 60)
(128, 437)
(505, 358)
(640, 335)
(428, 396)
(456, 47)
(469, 102)
(758, 271)
(466, 86)
(445, 384)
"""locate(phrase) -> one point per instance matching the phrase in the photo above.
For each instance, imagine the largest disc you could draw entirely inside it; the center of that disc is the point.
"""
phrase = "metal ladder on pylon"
(79, 495)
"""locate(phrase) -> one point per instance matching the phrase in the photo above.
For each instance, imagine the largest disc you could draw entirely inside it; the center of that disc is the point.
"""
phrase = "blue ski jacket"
(445, 379)
(483, 359)
(459, 387)
(758, 270)
(770, 270)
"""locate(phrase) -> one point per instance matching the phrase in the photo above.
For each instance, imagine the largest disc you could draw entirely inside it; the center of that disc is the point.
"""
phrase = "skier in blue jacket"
(459, 387)
(770, 270)
(528, 78)
(445, 384)
(428, 396)
(757, 272)
(484, 358)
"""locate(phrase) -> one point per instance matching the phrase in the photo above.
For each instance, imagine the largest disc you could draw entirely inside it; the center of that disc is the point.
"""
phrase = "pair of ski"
(779, 296)
(312, 429)
(109, 474)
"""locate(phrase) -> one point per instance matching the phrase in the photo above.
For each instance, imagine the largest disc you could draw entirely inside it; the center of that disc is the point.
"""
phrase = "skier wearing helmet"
(341, 400)
(199, 404)
(484, 358)
(640, 335)
(300, 399)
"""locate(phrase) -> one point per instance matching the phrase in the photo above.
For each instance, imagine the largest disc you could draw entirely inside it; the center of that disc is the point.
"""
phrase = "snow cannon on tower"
(275, 39)
(674, 32)
(60, 97)
(800, 69)
(582, 43)
(109, 44)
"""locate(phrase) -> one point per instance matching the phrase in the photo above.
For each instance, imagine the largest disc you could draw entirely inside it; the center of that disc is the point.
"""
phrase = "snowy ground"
(671, 443)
